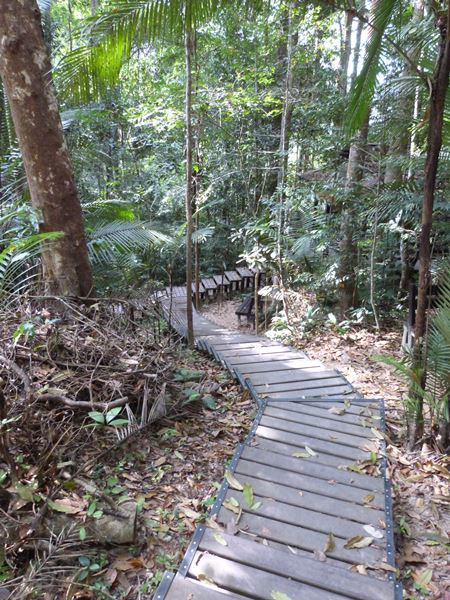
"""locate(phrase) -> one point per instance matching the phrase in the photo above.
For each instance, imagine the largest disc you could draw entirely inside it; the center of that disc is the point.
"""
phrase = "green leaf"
(219, 539)
(279, 596)
(118, 422)
(248, 495)
(83, 533)
(84, 561)
(113, 413)
(209, 402)
(98, 417)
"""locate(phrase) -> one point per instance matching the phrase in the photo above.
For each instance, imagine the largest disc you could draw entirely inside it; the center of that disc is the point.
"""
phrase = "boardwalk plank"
(316, 502)
(305, 483)
(317, 411)
(347, 453)
(319, 433)
(254, 582)
(305, 466)
(322, 422)
(189, 589)
(260, 358)
(299, 537)
(259, 349)
(307, 391)
(289, 375)
(314, 520)
(281, 365)
(298, 568)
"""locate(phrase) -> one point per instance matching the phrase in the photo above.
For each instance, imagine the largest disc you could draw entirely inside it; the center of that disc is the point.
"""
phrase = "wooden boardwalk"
(311, 523)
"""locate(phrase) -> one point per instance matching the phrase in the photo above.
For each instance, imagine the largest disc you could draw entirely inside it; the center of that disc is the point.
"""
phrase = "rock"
(115, 529)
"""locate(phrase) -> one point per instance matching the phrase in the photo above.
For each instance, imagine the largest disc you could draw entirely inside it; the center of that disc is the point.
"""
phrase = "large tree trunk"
(189, 186)
(26, 72)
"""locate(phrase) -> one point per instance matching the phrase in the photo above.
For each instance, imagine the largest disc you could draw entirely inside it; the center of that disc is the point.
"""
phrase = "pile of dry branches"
(61, 363)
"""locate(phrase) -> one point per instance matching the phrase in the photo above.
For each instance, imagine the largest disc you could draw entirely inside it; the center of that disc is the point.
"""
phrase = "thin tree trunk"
(189, 186)
(434, 143)
(346, 51)
(286, 119)
(348, 259)
(26, 72)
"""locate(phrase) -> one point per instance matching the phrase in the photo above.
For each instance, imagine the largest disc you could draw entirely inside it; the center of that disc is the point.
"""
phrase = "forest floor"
(171, 469)
(84, 515)
(420, 479)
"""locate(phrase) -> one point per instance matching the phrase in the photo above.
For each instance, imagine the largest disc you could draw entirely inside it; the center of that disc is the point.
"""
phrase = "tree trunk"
(346, 51)
(26, 72)
(189, 186)
(434, 142)
(348, 259)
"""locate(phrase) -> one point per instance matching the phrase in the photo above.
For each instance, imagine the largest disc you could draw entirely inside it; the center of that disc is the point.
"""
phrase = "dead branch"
(82, 403)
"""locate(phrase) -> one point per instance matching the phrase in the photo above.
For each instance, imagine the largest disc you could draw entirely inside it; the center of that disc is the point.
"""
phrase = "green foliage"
(109, 418)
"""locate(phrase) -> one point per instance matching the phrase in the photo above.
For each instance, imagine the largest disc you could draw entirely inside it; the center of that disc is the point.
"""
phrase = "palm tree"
(89, 70)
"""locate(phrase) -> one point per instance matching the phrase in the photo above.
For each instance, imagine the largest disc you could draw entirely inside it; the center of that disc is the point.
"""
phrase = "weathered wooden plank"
(184, 588)
(324, 412)
(282, 365)
(312, 519)
(290, 375)
(300, 537)
(253, 582)
(321, 422)
(307, 466)
(305, 483)
(279, 447)
(259, 349)
(318, 433)
(305, 391)
(258, 357)
(347, 453)
(298, 568)
(317, 502)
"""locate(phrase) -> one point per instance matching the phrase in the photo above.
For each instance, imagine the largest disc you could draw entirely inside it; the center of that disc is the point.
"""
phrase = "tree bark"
(434, 142)
(348, 292)
(26, 72)
(189, 185)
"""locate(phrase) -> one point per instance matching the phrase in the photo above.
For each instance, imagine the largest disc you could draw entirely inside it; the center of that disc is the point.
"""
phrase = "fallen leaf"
(335, 410)
(233, 505)
(279, 596)
(368, 499)
(375, 533)
(248, 495)
(330, 544)
(310, 451)
(220, 540)
(205, 577)
(358, 541)
(191, 514)
(232, 481)
(301, 455)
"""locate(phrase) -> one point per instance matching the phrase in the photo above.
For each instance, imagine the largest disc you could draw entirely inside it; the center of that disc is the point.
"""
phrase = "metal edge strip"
(164, 585)
(388, 508)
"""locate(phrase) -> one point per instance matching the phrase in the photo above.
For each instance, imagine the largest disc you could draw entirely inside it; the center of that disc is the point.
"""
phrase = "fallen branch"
(18, 371)
(82, 403)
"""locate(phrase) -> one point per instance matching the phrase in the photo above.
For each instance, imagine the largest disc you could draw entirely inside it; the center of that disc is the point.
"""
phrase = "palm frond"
(363, 88)
(109, 240)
